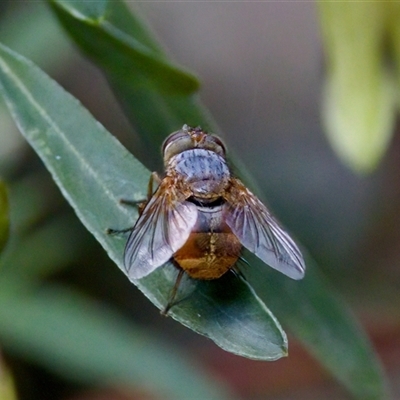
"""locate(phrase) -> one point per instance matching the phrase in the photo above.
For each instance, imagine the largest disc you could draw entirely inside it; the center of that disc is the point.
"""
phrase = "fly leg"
(154, 178)
(238, 271)
(173, 293)
(140, 204)
(111, 231)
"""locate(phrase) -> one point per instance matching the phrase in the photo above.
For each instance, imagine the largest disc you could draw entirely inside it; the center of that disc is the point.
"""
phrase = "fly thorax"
(203, 171)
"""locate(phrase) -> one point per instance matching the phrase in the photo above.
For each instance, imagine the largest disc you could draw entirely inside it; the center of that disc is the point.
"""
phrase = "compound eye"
(176, 143)
(173, 137)
(219, 143)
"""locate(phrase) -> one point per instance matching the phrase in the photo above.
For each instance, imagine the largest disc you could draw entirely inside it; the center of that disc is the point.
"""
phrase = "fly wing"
(260, 233)
(162, 229)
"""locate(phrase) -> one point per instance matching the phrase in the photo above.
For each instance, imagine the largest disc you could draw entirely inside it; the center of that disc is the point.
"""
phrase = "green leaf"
(90, 343)
(4, 216)
(320, 320)
(157, 96)
(94, 171)
(359, 100)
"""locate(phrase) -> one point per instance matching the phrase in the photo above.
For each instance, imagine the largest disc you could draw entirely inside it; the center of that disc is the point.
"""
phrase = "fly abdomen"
(211, 249)
(208, 255)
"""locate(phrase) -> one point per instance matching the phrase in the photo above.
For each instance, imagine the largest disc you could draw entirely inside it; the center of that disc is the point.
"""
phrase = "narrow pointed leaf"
(92, 23)
(94, 172)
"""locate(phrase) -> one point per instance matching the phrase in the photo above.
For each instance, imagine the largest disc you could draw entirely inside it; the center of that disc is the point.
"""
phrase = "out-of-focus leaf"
(393, 8)
(32, 31)
(359, 101)
(28, 206)
(90, 343)
(94, 171)
(4, 216)
(7, 389)
(31, 258)
(158, 97)
(28, 255)
(319, 319)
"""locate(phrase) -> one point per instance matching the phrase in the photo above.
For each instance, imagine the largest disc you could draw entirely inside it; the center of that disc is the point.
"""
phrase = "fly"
(201, 216)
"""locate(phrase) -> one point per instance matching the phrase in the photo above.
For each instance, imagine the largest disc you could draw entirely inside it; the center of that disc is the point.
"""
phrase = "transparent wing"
(162, 228)
(260, 233)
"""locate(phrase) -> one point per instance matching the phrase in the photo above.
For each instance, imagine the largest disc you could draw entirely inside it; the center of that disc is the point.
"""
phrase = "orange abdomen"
(208, 255)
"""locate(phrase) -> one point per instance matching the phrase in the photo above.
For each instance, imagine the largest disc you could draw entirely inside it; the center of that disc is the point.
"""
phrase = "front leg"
(140, 204)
